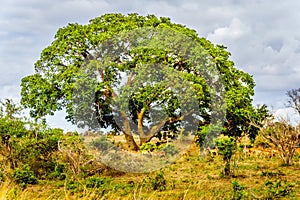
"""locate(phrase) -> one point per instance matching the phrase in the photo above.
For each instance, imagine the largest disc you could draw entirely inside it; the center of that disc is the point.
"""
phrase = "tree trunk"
(128, 136)
(126, 125)
(155, 128)
(131, 142)
(144, 140)
(141, 133)
(227, 168)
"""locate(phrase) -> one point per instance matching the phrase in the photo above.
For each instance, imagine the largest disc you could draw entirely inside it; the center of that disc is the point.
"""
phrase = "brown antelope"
(261, 152)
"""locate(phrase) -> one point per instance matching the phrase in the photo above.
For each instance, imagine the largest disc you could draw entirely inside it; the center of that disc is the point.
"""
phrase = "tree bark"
(128, 135)
(143, 137)
(155, 128)
(140, 116)
(131, 142)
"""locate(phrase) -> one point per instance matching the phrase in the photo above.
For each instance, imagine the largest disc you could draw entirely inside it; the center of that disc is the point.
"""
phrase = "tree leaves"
(120, 45)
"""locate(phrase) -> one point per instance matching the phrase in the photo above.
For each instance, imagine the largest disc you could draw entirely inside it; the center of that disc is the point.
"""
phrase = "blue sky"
(262, 35)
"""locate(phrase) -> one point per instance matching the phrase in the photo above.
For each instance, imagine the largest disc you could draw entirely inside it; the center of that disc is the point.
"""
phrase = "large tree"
(106, 45)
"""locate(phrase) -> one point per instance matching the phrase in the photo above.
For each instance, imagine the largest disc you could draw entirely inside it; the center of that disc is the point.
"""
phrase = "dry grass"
(190, 177)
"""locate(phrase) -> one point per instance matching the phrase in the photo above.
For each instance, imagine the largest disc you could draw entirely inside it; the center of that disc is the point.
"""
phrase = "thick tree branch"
(140, 116)
(155, 128)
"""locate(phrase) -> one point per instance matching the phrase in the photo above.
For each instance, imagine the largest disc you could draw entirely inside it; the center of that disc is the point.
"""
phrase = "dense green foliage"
(30, 151)
(226, 147)
(52, 87)
(24, 176)
(26, 142)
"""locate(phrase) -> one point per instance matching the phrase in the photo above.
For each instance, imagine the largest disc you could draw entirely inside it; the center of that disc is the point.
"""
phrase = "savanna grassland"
(190, 177)
(148, 77)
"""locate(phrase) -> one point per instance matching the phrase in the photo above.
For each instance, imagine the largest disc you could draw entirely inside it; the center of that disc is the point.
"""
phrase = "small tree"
(227, 147)
(282, 134)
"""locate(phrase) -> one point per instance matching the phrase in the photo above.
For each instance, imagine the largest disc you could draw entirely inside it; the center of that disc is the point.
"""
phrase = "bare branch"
(294, 99)
(282, 134)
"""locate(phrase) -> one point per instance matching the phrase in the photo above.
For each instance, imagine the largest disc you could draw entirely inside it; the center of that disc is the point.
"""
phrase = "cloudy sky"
(262, 35)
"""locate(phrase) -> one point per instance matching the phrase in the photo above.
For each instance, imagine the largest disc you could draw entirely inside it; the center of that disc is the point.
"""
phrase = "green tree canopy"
(55, 84)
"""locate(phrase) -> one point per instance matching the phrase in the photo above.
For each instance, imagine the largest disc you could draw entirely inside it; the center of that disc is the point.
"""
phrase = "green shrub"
(148, 146)
(47, 152)
(278, 189)
(159, 182)
(59, 172)
(238, 191)
(226, 147)
(25, 142)
(96, 182)
(72, 185)
(123, 188)
(24, 176)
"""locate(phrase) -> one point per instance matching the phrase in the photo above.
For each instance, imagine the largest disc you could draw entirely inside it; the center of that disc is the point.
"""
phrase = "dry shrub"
(282, 134)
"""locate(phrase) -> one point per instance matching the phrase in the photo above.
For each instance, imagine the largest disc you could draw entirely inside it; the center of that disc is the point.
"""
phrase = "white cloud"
(234, 31)
(10, 92)
(58, 121)
(263, 36)
(287, 114)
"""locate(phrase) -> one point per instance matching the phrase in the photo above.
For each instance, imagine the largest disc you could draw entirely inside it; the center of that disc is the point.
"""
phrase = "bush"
(148, 146)
(23, 142)
(158, 182)
(238, 191)
(47, 152)
(281, 133)
(226, 147)
(24, 176)
(272, 174)
(73, 185)
(58, 172)
(73, 152)
(96, 182)
(278, 189)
